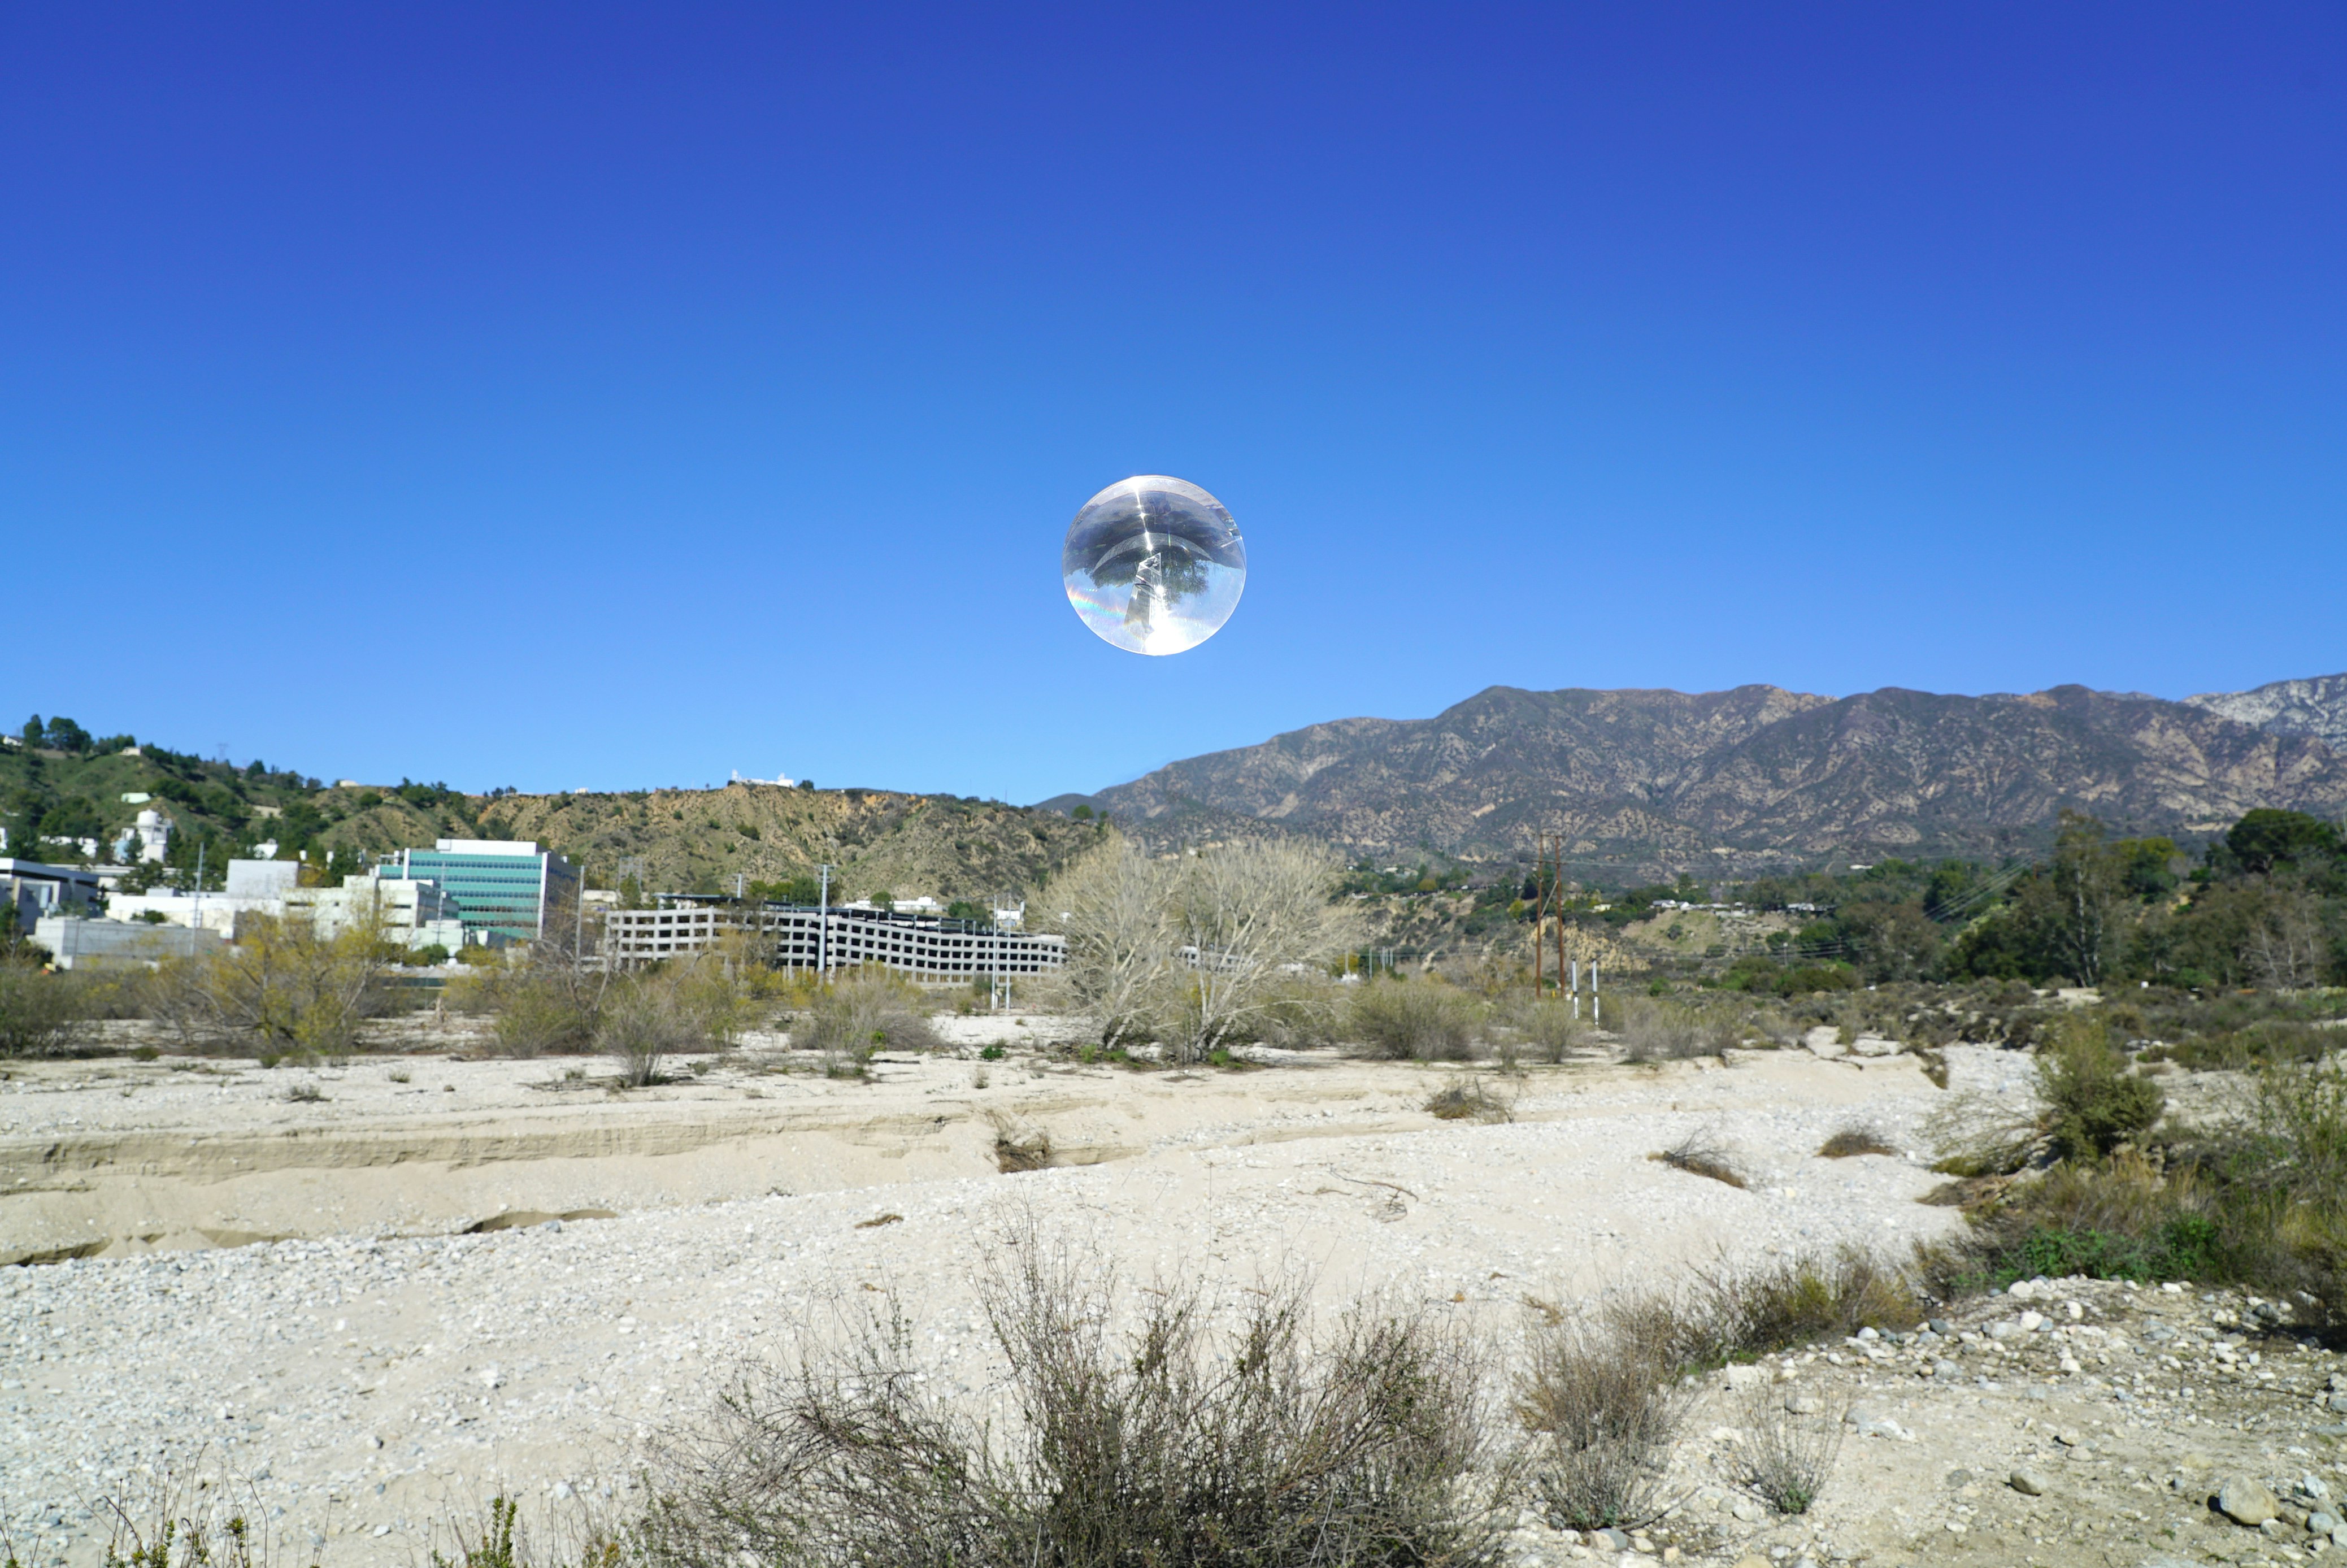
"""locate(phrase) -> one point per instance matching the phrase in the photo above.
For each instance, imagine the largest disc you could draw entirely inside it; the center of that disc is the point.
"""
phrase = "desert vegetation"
(1196, 950)
(1144, 1430)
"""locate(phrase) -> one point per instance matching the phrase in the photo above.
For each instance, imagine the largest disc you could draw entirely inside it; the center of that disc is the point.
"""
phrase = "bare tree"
(1112, 907)
(1197, 946)
(1247, 914)
(2288, 947)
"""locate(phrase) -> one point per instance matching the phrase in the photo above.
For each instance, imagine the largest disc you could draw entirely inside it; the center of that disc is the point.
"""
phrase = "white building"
(413, 913)
(78, 943)
(152, 831)
(254, 888)
(787, 937)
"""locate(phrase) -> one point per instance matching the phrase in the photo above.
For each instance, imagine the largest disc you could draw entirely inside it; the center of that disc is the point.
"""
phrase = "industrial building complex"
(788, 936)
(490, 893)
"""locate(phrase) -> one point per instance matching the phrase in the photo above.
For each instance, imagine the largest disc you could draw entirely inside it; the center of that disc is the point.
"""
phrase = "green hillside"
(58, 781)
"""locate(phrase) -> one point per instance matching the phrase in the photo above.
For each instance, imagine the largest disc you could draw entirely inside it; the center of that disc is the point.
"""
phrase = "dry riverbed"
(419, 1329)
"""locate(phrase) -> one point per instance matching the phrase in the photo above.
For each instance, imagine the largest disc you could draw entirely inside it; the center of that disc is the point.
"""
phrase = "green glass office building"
(501, 885)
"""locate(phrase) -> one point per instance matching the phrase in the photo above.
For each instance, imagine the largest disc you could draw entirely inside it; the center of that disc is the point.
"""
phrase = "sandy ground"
(386, 1359)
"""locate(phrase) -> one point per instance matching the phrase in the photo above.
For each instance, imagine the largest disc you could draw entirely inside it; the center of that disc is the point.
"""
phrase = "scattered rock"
(2246, 1501)
(2028, 1483)
(1800, 1404)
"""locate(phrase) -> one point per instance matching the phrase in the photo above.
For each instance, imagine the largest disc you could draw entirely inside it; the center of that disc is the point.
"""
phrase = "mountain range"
(1651, 782)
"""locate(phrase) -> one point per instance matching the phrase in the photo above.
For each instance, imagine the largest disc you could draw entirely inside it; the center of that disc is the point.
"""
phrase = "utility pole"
(1539, 913)
(1557, 881)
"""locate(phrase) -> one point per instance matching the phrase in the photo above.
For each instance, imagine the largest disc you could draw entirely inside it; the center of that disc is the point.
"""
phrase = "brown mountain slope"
(2315, 707)
(1896, 769)
(1656, 780)
(879, 841)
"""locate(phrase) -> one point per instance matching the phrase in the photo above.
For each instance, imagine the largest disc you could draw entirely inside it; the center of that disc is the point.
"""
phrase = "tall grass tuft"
(1163, 1442)
(1858, 1138)
(1466, 1101)
(1701, 1153)
(1787, 1458)
(1603, 1409)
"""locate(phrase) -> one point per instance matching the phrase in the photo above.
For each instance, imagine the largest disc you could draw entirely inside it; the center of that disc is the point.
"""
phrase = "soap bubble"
(1154, 564)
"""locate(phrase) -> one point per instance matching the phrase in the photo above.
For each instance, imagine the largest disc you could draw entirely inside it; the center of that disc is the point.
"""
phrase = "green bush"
(41, 1014)
(2261, 1202)
(2093, 1102)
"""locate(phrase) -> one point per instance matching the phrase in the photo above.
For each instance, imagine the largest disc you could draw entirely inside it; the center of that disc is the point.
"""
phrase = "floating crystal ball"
(1154, 564)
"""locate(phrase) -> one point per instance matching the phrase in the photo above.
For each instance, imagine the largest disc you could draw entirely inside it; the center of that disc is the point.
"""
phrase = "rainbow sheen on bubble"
(1154, 564)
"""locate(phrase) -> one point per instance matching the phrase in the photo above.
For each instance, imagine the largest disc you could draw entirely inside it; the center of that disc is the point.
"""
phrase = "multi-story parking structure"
(798, 937)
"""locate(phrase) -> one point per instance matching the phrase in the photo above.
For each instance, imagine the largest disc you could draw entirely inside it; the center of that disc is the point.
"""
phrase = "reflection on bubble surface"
(1154, 564)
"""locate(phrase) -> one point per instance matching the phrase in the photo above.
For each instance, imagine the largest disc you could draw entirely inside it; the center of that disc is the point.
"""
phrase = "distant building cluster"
(460, 892)
(490, 893)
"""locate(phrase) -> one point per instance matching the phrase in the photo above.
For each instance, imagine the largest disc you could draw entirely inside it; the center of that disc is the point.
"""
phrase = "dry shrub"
(1301, 1012)
(1701, 1153)
(1412, 1020)
(865, 1013)
(1019, 1145)
(1786, 1457)
(281, 986)
(1655, 1031)
(640, 1027)
(1603, 1409)
(1975, 1135)
(1858, 1138)
(1163, 1442)
(40, 1014)
(536, 1015)
(1466, 1101)
(1547, 1029)
(1804, 1300)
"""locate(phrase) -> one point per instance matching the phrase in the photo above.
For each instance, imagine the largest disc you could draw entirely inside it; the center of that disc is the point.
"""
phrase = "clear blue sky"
(573, 396)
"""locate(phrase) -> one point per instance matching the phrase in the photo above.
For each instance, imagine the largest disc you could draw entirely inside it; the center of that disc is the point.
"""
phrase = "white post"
(823, 926)
(1596, 1008)
(1576, 988)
